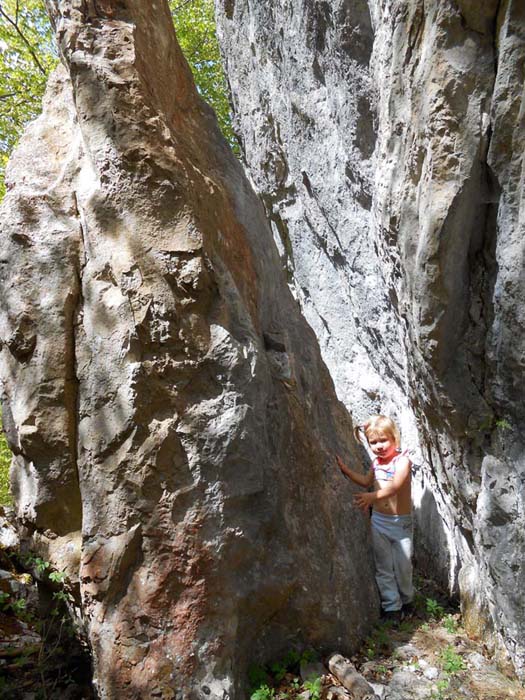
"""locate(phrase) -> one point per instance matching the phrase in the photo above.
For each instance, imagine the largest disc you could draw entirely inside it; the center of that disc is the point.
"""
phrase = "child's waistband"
(391, 519)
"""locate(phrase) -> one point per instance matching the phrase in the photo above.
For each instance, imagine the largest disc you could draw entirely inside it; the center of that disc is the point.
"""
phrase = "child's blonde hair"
(378, 426)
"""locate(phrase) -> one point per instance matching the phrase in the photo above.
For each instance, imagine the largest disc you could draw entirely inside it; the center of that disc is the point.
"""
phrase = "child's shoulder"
(403, 456)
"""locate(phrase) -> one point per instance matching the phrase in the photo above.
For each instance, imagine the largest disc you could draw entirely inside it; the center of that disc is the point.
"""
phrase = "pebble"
(478, 661)
(370, 667)
(406, 686)
(431, 672)
(407, 652)
(8, 536)
(379, 689)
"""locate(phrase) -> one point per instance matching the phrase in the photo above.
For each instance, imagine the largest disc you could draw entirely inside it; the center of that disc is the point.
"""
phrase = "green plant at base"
(48, 662)
(314, 686)
(292, 658)
(503, 424)
(381, 635)
(257, 676)
(279, 670)
(23, 660)
(441, 688)
(451, 661)
(378, 642)
(309, 655)
(57, 576)
(434, 609)
(450, 624)
(263, 693)
(419, 602)
(406, 626)
(18, 606)
(490, 423)
(41, 565)
(262, 678)
(38, 563)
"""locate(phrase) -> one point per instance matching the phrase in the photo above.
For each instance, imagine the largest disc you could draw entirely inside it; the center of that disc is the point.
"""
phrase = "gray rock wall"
(161, 390)
(385, 138)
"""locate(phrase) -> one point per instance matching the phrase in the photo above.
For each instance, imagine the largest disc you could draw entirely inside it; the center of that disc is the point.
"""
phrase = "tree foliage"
(194, 22)
(5, 461)
(28, 54)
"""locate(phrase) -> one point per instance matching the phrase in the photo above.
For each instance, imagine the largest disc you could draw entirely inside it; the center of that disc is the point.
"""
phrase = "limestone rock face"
(386, 140)
(162, 392)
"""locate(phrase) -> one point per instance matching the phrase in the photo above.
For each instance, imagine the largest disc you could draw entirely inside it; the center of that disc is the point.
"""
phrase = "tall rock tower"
(386, 140)
(162, 392)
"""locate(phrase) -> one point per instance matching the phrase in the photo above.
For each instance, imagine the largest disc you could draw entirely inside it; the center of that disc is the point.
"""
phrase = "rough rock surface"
(386, 139)
(162, 392)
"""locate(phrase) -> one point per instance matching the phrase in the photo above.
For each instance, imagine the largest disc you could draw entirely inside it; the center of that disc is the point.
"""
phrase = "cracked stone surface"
(386, 140)
(172, 420)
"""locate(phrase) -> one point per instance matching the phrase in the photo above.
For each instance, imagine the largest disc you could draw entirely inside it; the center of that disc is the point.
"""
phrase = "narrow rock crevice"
(419, 196)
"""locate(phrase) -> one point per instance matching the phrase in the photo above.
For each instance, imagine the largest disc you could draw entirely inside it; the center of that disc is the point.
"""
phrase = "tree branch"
(26, 42)
(179, 7)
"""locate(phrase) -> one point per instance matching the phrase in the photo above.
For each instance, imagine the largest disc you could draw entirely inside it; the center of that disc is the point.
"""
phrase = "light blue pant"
(392, 542)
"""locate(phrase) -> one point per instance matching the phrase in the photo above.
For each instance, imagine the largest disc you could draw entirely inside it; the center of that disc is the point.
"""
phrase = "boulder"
(162, 392)
(386, 141)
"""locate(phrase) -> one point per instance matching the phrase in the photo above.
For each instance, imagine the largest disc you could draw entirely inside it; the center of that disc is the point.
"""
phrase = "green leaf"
(57, 576)
(41, 565)
(263, 693)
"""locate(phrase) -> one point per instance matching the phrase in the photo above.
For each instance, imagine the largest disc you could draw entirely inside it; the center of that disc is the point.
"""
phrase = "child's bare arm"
(364, 500)
(364, 480)
(401, 475)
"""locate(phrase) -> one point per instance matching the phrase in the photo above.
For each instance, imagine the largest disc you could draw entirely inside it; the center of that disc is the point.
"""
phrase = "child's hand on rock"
(364, 500)
(340, 463)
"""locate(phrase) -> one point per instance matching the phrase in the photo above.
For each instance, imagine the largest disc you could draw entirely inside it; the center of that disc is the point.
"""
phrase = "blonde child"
(391, 512)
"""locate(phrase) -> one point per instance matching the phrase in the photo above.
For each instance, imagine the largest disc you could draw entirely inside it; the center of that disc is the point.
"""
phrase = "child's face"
(382, 445)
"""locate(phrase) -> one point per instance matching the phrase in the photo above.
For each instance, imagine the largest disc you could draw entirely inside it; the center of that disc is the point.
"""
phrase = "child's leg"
(384, 571)
(402, 558)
